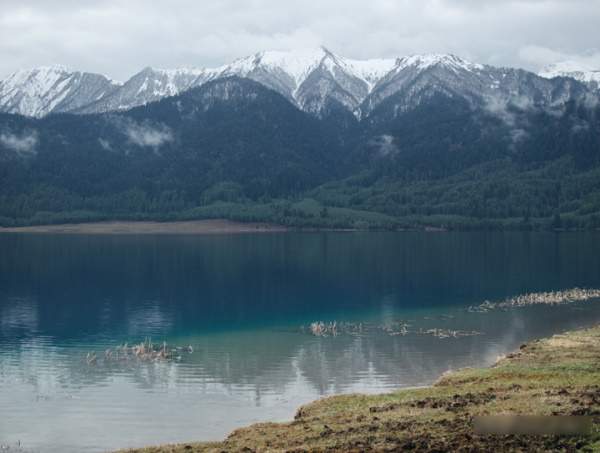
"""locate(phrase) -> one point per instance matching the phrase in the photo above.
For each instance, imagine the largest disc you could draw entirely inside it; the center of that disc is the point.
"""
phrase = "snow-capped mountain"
(315, 80)
(578, 71)
(310, 79)
(417, 78)
(37, 92)
(149, 85)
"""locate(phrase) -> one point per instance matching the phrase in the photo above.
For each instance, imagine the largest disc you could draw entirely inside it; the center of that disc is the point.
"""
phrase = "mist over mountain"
(305, 138)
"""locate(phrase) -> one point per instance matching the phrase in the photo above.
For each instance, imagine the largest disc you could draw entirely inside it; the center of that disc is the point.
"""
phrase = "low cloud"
(147, 135)
(24, 145)
(591, 101)
(505, 109)
(518, 135)
(580, 126)
(499, 108)
(105, 144)
(542, 56)
(522, 102)
(384, 144)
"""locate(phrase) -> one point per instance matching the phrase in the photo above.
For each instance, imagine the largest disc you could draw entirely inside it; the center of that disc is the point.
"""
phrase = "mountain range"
(314, 80)
(306, 138)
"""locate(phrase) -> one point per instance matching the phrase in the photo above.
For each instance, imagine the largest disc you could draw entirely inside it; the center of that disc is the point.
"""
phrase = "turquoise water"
(239, 301)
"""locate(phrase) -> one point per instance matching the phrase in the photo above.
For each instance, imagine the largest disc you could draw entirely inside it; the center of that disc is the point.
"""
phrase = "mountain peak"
(34, 81)
(39, 72)
(579, 71)
(39, 91)
(316, 80)
(297, 63)
(569, 66)
(52, 68)
(425, 61)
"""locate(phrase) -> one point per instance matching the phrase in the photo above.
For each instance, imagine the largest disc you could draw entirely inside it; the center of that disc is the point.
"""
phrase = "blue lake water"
(240, 301)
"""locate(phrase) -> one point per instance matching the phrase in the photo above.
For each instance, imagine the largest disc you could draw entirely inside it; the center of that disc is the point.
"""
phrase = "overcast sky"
(120, 37)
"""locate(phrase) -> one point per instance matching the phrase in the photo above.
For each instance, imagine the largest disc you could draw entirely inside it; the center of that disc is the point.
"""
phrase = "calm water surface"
(239, 301)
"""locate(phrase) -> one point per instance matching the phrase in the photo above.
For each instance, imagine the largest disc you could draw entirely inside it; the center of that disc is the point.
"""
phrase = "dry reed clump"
(333, 329)
(143, 352)
(321, 329)
(550, 298)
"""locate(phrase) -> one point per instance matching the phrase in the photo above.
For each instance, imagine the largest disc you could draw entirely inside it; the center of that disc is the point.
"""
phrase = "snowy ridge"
(298, 64)
(315, 80)
(38, 91)
(294, 74)
(429, 60)
(371, 71)
(578, 71)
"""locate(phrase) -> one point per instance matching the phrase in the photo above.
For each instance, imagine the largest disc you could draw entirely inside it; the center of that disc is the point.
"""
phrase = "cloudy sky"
(120, 37)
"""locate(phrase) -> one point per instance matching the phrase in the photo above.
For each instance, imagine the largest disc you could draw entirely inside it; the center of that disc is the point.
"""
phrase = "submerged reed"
(550, 298)
(322, 329)
(142, 352)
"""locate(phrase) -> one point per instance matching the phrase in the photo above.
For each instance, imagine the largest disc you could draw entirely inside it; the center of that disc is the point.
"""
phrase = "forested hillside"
(233, 148)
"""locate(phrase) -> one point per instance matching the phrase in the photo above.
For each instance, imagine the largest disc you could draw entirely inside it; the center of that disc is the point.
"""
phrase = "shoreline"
(210, 226)
(207, 226)
(556, 376)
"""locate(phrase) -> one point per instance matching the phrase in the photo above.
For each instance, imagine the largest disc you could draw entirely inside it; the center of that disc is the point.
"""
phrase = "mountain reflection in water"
(240, 302)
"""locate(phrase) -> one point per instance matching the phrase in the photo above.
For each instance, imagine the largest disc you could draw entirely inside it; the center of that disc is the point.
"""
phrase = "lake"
(240, 307)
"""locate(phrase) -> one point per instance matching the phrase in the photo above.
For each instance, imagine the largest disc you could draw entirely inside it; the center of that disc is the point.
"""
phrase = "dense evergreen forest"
(234, 149)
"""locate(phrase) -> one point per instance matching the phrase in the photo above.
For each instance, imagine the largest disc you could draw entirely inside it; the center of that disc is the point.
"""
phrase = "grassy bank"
(556, 376)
